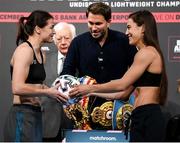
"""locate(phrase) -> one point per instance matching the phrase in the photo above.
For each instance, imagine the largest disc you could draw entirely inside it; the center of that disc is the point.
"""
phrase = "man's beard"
(103, 33)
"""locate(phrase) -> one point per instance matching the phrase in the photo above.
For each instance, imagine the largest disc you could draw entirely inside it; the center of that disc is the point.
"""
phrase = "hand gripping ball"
(67, 83)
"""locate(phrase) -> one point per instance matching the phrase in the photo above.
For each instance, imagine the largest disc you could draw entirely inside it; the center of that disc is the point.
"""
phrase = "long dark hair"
(150, 38)
(27, 25)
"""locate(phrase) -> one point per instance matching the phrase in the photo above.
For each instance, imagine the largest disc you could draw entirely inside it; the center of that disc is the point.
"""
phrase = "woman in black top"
(147, 74)
(24, 122)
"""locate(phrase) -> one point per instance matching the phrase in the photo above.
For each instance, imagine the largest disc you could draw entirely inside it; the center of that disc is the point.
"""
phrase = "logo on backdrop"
(174, 48)
(177, 47)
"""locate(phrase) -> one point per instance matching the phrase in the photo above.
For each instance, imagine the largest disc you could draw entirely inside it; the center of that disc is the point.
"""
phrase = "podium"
(91, 136)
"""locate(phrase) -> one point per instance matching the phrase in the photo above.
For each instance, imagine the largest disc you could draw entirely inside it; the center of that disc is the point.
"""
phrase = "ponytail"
(22, 34)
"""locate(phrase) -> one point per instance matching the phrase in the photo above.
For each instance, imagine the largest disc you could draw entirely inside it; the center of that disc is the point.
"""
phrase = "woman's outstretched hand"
(80, 90)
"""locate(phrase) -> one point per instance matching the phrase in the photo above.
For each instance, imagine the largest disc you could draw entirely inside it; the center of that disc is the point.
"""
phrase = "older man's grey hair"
(62, 25)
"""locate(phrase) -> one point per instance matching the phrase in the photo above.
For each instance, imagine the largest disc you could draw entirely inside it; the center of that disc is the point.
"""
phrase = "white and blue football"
(67, 82)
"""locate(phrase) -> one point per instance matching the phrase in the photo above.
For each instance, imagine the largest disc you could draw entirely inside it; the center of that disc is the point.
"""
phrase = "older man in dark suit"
(54, 118)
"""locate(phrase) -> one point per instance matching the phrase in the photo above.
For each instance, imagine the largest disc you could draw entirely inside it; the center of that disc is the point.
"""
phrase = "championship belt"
(103, 114)
(85, 100)
(75, 108)
(79, 115)
(115, 114)
(122, 112)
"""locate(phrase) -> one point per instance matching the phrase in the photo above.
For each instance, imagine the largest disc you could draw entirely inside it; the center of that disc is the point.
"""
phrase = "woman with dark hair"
(24, 122)
(147, 74)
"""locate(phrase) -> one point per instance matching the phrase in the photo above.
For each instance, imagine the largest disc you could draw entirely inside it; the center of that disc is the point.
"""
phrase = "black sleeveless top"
(148, 79)
(37, 72)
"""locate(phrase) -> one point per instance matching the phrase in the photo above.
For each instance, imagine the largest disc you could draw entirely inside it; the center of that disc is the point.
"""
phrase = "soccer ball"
(67, 82)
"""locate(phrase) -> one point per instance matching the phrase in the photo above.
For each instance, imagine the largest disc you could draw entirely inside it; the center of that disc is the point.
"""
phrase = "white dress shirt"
(60, 63)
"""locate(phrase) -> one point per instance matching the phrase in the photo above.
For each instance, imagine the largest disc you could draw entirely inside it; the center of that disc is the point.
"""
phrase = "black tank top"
(37, 72)
(149, 79)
